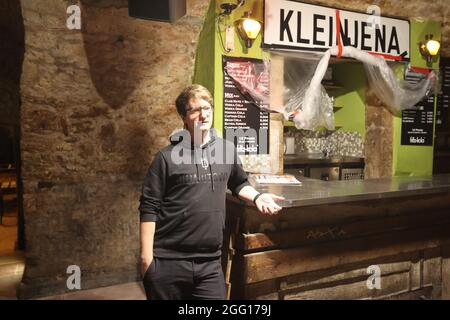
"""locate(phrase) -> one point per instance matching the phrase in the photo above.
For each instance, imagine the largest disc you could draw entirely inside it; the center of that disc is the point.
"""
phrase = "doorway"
(12, 237)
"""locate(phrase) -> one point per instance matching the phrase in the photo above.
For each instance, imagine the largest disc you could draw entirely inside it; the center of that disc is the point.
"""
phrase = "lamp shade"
(248, 29)
(251, 28)
(433, 47)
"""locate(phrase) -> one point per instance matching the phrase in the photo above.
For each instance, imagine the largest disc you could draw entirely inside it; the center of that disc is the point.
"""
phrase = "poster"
(417, 124)
(244, 121)
(443, 99)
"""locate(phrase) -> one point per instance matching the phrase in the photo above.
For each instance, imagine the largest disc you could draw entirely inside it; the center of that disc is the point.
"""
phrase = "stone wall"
(97, 104)
(379, 138)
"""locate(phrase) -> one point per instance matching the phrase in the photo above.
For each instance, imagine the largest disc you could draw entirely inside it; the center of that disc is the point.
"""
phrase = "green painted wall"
(208, 64)
(204, 60)
(415, 160)
(419, 29)
(255, 51)
(351, 99)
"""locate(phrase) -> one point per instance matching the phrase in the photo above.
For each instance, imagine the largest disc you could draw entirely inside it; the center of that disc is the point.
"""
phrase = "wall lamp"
(248, 28)
(429, 48)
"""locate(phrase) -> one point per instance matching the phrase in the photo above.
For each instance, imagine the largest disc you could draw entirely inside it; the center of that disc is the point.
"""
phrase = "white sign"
(305, 27)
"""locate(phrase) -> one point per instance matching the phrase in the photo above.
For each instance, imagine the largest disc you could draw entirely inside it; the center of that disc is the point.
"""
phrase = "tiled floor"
(8, 231)
(12, 263)
(11, 271)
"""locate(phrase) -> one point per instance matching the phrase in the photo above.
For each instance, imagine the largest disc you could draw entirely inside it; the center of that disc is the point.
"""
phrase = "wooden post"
(276, 139)
(446, 271)
(230, 255)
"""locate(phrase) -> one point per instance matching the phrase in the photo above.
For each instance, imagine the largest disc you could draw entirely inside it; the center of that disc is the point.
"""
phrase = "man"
(182, 206)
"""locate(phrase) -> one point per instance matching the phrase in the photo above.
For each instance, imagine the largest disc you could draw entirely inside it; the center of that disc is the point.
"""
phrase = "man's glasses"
(197, 111)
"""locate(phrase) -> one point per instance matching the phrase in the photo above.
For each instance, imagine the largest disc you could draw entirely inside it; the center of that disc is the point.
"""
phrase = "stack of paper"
(275, 179)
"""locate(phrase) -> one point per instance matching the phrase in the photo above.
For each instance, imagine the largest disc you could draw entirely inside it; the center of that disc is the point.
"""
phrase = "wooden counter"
(329, 233)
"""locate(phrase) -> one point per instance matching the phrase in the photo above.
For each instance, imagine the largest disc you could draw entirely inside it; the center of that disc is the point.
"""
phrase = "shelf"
(331, 87)
(288, 123)
(327, 84)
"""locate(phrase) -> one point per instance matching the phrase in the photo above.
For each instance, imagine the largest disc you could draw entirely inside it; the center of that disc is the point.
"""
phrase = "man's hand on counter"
(265, 202)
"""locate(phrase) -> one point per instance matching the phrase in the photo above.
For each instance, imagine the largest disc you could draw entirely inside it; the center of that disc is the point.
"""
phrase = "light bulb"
(433, 47)
(251, 28)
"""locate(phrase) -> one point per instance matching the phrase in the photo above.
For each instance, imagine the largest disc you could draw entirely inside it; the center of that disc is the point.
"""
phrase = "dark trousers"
(185, 279)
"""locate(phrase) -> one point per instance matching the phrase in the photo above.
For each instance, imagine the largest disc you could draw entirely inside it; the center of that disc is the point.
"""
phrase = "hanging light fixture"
(429, 48)
(229, 7)
(248, 28)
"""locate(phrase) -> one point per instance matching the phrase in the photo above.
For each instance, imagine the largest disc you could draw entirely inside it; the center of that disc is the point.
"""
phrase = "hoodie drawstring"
(196, 164)
(210, 167)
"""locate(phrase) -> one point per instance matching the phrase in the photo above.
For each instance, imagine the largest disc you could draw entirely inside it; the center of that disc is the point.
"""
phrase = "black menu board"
(417, 124)
(244, 123)
(443, 98)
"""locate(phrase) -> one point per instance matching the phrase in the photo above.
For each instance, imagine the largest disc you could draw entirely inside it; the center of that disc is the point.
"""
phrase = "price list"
(417, 123)
(244, 122)
(443, 98)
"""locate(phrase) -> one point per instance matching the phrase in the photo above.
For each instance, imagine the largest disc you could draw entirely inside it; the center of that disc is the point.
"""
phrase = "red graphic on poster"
(251, 78)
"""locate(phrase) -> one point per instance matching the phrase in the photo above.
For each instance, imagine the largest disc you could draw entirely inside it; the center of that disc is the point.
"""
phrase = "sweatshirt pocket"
(199, 231)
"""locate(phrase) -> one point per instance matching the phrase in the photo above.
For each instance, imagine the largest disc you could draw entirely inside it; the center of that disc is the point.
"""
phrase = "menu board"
(443, 98)
(417, 124)
(244, 122)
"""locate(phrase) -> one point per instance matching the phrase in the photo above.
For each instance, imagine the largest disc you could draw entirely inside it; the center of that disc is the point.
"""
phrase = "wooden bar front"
(324, 251)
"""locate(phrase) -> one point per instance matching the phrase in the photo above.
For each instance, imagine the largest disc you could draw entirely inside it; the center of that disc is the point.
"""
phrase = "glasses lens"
(207, 110)
(196, 112)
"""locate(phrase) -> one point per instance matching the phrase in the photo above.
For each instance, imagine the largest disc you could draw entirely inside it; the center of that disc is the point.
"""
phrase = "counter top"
(316, 192)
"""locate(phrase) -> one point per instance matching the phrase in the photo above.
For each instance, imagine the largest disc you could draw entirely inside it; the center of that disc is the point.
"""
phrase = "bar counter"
(331, 234)
(315, 192)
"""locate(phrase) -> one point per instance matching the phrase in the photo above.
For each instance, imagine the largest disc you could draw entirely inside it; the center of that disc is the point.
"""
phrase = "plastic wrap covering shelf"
(307, 103)
(311, 107)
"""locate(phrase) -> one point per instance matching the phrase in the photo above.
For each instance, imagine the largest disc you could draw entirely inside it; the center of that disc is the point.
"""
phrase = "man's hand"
(145, 264)
(266, 203)
(147, 236)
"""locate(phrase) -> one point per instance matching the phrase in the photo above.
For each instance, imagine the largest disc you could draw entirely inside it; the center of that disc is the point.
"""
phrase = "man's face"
(199, 116)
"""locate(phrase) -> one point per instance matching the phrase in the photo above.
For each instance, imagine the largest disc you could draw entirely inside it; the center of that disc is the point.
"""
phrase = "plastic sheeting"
(315, 108)
(307, 102)
(310, 107)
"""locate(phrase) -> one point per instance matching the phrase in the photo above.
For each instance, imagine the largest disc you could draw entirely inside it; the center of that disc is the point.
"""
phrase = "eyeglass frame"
(197, 111)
